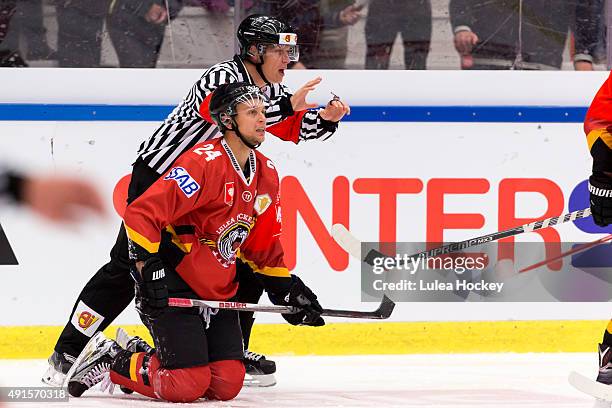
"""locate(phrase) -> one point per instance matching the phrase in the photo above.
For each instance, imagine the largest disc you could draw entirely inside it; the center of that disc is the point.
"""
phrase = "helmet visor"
(290, 51)
(289, 40)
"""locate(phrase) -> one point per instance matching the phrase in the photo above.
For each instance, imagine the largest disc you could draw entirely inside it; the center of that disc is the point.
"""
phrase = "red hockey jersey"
(598, 127)
(229, 215)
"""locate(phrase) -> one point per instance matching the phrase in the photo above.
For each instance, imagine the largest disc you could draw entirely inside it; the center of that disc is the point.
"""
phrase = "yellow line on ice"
(25, 342)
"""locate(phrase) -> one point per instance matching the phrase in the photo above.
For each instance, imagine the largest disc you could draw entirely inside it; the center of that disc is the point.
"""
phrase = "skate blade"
(122, 338)
(595, 389)
(53, 378)
(88, 351)
(263, 380)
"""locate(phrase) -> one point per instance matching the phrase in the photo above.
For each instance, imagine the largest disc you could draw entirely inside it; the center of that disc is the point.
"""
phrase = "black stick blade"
(386, 308)
(383, 312)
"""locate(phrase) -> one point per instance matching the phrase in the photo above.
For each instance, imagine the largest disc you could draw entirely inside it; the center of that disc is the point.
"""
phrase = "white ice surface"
(451, 380)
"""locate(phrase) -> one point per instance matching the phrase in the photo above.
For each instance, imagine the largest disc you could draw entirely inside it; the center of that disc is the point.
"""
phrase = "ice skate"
(604, 374)
(59, 364)
(133, 344)
(601, 388)
(92, 365)
(259, 370)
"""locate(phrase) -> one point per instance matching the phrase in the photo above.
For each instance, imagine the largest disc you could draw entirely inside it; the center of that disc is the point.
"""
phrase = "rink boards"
(493, 133)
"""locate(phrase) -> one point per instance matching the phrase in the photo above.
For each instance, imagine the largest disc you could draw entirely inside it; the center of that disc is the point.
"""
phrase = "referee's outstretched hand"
(60, 198)
(298, 100)
(335, 110)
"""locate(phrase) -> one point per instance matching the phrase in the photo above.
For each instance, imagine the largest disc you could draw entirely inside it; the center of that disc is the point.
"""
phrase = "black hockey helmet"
(260, 30)
(226, 97)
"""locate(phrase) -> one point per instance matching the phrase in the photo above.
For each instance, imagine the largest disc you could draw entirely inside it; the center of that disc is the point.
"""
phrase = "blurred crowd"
(333, 34)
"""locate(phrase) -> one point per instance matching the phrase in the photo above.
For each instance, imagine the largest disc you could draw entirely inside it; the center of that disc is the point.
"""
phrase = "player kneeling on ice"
(218, 202)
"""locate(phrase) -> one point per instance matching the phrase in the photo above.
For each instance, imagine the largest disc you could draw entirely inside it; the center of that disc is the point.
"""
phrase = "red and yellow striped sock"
(131, 370)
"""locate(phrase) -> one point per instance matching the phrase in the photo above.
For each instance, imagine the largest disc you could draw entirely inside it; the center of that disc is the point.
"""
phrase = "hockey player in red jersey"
(267, 46)
(598, 129)
(217, 203)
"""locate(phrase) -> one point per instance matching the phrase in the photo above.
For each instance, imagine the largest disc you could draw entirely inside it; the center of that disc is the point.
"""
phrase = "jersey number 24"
(207, 149)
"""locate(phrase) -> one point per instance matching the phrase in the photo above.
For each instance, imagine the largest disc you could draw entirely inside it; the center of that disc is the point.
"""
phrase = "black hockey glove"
(600, 189)
(152, 289)
(300, 295)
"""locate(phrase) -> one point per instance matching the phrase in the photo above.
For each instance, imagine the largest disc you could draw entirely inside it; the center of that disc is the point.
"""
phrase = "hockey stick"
(352, 245)
(382, 312)
(591, 387)
(573, 251)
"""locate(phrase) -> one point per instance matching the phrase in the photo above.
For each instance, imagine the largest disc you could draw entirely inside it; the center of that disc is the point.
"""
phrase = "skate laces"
(96, 374)
(107, 384)
(249, 355)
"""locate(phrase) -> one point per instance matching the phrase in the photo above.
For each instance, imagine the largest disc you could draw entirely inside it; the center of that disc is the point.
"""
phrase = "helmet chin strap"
(242, 138)
(259, 67)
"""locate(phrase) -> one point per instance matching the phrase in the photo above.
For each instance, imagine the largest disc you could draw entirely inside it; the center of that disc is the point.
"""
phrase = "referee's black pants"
(111, 289)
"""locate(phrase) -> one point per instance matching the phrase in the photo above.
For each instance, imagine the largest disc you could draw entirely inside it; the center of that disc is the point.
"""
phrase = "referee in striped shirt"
(267, 47)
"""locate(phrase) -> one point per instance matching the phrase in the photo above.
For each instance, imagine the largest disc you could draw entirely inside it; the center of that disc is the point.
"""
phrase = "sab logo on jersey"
(185, 182)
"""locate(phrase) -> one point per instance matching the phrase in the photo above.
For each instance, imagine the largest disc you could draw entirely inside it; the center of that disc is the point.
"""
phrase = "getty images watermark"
(404, 267)
(490, 272)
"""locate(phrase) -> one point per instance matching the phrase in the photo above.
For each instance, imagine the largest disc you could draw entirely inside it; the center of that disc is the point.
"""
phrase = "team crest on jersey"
(230, 235)
(184, 180)
(229, 193)
(247, 196)
(262, 202)
(231, 239)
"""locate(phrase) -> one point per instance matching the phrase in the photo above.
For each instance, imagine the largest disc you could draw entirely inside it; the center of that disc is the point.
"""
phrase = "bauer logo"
(86, 320)
(185, 182)
(237, 305)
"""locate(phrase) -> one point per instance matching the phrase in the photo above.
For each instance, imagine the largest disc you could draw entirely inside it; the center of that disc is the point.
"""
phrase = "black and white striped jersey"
(186, 125)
